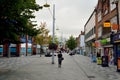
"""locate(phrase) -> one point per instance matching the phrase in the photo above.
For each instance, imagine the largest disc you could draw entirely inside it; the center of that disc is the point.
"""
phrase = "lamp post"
(53, 32)
(53, 16)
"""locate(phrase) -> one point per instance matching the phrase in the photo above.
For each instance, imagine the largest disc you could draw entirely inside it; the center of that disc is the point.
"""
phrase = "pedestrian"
(60, 58)
(98, 54)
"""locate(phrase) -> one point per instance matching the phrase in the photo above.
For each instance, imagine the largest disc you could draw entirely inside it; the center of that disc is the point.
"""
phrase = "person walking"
(60, 58)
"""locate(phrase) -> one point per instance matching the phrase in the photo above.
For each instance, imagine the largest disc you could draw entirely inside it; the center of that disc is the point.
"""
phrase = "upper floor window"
(99, 16)
(112, 5)
(105, 8)
(100, 31)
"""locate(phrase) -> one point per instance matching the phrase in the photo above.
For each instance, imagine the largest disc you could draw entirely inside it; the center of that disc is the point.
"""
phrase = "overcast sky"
(71, 15)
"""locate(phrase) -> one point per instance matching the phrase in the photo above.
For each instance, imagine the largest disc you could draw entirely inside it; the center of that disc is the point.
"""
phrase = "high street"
(76, 67)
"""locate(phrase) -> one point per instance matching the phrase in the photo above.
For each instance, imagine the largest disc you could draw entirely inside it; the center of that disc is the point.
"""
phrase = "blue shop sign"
(23, 40)
(29, 41)
(1, 49)
(29, 50)
(116, 38)
(13, 49)
(23, 50)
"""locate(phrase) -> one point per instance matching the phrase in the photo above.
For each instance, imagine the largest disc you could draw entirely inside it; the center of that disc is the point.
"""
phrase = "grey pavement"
(75, 67)
(108, 73)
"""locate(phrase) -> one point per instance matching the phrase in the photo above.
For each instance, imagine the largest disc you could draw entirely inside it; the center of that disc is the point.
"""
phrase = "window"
(100, 31)
(105, 9)
(112, 5)
(99, 16)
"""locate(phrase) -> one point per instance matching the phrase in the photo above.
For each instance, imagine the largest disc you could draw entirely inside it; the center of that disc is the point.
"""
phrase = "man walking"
(60, 58)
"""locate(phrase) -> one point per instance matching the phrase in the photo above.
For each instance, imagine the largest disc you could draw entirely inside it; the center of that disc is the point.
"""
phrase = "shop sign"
(103, 41)
(29, 50)
(23, 50)
(116, 38)
(29, 41)
(114, 26)
(23, 40)
(97, 44)
(1, 49)
(107, 24)
(13, 49)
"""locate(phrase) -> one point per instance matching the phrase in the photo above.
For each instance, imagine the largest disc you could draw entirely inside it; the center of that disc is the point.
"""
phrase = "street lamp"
(53, 32)
(53, 16)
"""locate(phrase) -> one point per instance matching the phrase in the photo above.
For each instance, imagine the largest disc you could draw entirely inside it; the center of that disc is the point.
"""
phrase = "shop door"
(118, 50)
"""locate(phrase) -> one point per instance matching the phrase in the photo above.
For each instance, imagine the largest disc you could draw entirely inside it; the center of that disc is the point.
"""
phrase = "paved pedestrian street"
(76, 67)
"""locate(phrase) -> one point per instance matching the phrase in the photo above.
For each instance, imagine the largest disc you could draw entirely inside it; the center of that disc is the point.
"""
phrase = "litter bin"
(99, 61)
(104, 61)
(118, 64)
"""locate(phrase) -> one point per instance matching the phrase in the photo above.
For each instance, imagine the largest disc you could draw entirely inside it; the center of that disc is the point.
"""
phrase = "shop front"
(99, 51)
(1, 50)
(116, 48)
(108, 54)
(107, 50)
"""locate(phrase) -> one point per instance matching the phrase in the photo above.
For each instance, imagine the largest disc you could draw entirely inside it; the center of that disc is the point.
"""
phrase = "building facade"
(81, 43)
(18, 49)
(106, 20)
(89, 28)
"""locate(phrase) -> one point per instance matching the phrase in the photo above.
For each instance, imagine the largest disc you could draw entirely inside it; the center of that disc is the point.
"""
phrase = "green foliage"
(71, 43)
(15, 18)
(51, 40)
(42, 38)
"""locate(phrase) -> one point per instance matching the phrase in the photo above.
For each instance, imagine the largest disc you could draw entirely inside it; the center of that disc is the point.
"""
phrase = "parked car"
(48, 53)
(72, 52)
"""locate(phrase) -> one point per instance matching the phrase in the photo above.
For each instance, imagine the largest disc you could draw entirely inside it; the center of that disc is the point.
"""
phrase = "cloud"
(71, 15)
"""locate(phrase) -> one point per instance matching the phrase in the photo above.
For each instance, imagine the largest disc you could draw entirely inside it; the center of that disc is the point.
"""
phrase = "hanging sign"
(114, 26)
(97, 44)
(107, 24)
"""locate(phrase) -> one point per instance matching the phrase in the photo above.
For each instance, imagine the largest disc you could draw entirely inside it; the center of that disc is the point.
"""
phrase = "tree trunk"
(40, 51)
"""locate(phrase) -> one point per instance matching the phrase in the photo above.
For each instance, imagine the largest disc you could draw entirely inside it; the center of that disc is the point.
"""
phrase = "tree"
(15, 21)
(42, 38)
(53, 45)
(15, 16)
(71, 43)
(51, 40)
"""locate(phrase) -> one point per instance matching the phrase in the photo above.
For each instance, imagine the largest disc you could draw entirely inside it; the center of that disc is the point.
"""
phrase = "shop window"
(118, 50)
(100, 31)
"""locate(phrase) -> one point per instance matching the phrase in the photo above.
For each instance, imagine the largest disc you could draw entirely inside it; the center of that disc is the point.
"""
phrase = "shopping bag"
(62, 58)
